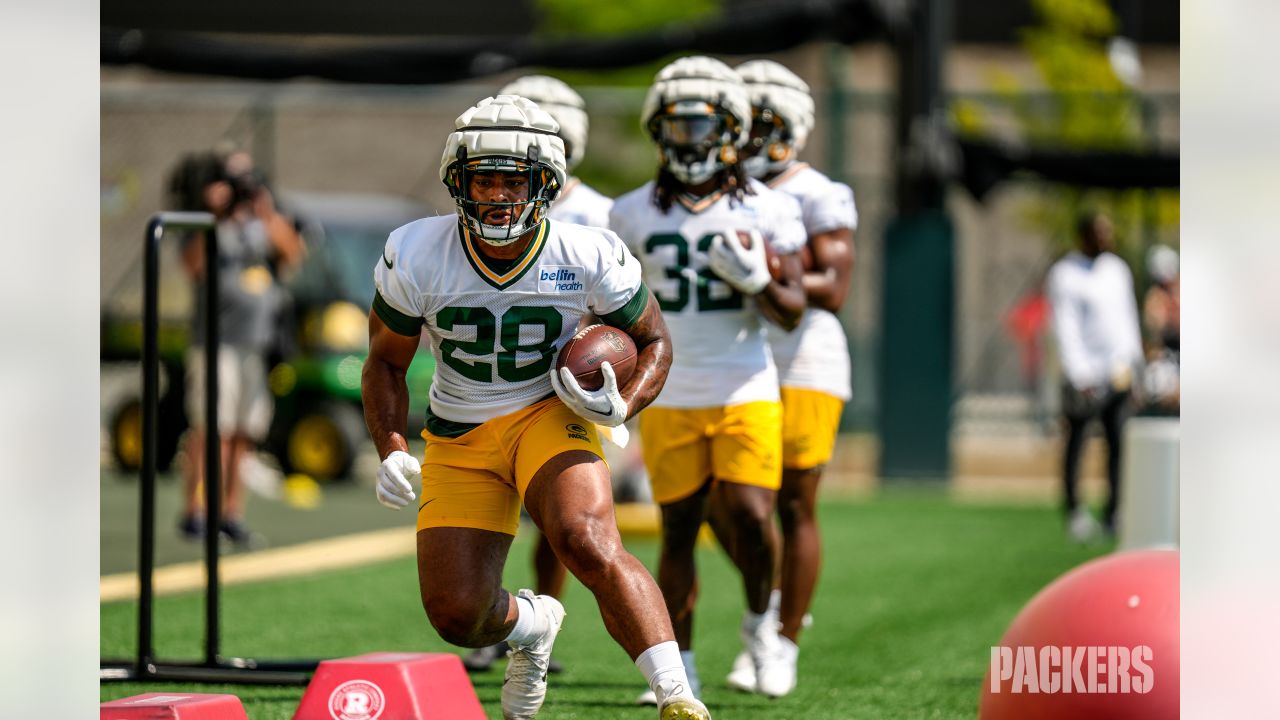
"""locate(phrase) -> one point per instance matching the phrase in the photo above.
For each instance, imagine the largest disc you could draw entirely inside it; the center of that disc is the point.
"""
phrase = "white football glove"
(746, 270)
(602, 407)
(396, 475)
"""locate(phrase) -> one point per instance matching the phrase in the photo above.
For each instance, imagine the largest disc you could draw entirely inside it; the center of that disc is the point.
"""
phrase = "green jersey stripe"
(399, 323)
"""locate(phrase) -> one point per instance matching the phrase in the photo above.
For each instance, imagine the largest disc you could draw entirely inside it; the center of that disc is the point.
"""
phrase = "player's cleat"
(191, 527)
(683, 708)
(777, 675)
(648, 697)
(525, 686)
(239, 534)
(481, 659)
(773, 656)
(743, 674)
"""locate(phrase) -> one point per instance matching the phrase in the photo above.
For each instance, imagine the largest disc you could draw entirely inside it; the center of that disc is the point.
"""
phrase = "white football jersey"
(580, 204)
(495, 333)
(721, 355)
(815, 356)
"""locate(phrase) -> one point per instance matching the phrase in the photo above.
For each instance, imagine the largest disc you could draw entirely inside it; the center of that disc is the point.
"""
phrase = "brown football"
(594, 345)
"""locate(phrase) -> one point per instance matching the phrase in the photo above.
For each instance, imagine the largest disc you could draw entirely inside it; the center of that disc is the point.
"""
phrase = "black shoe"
(238, 533)
(481, 659)
(191, 527)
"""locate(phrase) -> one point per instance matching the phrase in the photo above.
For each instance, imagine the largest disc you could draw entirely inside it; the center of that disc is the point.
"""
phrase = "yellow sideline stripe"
(328, 554)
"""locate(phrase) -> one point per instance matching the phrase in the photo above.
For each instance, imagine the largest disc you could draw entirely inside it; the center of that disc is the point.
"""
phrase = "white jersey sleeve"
(397, 286)
(831, 210)
(580, 204)
(784, 225)
(618, 295)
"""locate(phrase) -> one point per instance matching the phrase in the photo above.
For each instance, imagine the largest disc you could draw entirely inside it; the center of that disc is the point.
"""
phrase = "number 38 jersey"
(495, 330)
(721, 355)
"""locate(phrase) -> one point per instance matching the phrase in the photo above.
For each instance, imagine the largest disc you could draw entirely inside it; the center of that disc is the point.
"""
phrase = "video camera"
(195, 171)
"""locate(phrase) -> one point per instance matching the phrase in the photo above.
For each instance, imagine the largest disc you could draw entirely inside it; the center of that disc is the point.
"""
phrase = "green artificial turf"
(915, 590)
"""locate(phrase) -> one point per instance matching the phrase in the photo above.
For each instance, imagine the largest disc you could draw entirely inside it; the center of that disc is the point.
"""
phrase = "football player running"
(577, 203)
(813, 360)
(713, 436)
(497, 290)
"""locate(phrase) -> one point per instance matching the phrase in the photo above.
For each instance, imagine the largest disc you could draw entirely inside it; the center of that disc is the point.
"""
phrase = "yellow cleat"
(684, 708)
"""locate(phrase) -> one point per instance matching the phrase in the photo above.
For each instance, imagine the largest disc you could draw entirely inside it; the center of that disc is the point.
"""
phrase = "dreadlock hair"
(733, 181)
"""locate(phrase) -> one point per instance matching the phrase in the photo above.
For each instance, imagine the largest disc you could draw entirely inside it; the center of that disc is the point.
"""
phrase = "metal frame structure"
(214, 668)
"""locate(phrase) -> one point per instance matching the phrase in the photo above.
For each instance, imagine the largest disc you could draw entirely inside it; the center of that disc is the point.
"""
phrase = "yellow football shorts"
(739, 444)
(478, 479)
(810, 420)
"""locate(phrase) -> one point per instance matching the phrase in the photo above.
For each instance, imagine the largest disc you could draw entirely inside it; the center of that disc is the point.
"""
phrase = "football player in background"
(503, 428)
(714, 435)
(577, 203)
(813, 360)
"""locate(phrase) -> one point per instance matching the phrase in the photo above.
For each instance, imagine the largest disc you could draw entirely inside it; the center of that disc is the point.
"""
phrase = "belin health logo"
(560, 278)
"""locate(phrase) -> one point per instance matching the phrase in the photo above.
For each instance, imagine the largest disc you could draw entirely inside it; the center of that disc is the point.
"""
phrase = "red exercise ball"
(1105, 627)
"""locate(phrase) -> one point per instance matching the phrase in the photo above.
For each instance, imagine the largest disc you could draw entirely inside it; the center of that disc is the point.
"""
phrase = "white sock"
(751, 622)
(527, 628)
(775, 602)
(663, 668)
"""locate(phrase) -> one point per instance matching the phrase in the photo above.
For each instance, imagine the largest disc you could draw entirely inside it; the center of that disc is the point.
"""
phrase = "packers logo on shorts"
(577, 432)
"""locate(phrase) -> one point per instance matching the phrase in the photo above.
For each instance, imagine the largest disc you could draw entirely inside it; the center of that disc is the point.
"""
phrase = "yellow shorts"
(739, 443)
(478, 480)
(810, 419)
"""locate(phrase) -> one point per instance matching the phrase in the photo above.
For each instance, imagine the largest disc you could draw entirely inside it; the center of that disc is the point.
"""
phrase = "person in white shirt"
(498, 289)
(702, 231)
(1095, 323)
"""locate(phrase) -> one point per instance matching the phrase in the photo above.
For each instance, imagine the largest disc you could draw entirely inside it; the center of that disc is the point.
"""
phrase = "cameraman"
(256, 245)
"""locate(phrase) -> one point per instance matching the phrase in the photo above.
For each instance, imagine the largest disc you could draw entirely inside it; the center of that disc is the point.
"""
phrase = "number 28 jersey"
(717, 334)
(495, 332)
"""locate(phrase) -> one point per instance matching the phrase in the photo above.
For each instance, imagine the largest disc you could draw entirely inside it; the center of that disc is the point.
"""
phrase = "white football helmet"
(698, 113)
(504, 134)
(782, 116)
(565, 105)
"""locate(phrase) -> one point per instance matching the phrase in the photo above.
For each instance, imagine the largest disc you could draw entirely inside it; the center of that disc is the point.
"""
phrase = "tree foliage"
(1083, 105)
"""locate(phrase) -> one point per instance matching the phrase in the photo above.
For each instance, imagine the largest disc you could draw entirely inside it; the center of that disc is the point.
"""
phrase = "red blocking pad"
(174, 706)
(391, 686)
